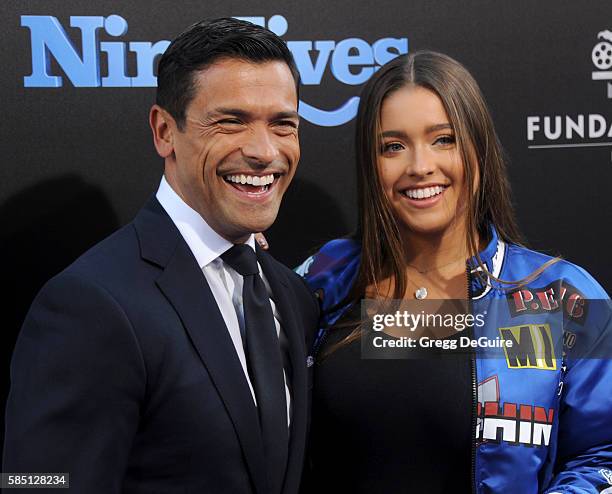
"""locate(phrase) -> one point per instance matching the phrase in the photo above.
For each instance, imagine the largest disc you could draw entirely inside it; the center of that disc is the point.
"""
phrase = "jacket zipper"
(321, 336)
(319, 340)
(474, 384)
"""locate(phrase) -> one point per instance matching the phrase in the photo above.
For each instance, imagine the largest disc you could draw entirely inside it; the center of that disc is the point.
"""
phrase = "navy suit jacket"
(124, 374)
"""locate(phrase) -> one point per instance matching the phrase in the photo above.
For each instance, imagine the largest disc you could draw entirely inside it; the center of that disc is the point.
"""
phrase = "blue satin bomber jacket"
(542, 413)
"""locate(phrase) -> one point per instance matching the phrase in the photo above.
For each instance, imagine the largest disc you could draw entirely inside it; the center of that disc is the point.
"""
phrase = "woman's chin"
(429, 228)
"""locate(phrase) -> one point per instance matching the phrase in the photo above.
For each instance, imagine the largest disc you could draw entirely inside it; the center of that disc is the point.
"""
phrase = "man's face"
(239, 147)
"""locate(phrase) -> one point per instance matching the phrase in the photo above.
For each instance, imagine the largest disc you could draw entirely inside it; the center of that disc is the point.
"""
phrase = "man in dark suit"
(154, 364)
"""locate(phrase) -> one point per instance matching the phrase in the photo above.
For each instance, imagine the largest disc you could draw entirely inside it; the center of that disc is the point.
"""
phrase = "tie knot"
(242, 259)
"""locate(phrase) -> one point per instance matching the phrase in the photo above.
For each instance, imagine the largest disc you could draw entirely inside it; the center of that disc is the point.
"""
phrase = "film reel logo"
(602, 59)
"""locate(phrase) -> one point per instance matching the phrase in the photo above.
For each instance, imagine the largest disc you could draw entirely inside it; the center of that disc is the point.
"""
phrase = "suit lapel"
(295, 335)
(185, 286)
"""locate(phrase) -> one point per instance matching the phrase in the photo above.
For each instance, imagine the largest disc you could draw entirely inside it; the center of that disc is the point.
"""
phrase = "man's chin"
(240, 220)
(259, 227)
(244, 230)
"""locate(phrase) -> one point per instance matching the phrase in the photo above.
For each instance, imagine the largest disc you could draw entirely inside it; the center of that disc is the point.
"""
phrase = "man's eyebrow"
(245, 115)
(286, 114)
(236, 112)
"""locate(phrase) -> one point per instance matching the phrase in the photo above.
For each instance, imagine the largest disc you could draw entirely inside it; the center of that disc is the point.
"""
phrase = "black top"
(388, 426)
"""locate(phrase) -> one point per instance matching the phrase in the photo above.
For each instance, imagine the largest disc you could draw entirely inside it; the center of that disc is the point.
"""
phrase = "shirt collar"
(205, 243)
(486, 255)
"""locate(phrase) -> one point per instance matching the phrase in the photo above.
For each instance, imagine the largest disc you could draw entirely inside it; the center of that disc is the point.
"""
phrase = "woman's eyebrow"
(394, 133)
(428, 130)
(436, 127)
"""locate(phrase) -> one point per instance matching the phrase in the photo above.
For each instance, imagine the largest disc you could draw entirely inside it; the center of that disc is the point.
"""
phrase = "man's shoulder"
(107, 281)
(113, 266)
(115, 254)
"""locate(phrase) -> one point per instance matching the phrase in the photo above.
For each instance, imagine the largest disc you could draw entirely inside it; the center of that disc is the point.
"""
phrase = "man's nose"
(260, 146)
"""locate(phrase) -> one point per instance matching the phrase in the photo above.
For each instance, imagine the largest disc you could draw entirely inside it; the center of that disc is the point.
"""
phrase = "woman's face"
(419, 164)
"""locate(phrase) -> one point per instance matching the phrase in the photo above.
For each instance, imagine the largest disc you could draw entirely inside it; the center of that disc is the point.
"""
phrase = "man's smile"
(255, 186)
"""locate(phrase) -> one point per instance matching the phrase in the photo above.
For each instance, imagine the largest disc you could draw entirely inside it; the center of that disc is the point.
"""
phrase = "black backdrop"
(78, 162)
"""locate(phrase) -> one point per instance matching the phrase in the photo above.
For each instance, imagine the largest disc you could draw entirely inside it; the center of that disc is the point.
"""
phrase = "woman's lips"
(424, 197)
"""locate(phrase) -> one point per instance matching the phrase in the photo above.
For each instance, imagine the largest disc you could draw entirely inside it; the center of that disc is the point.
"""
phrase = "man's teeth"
(424, 193)
(250, 179)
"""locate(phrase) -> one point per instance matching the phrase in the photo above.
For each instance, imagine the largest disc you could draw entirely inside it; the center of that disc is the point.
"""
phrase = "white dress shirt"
(225, 283)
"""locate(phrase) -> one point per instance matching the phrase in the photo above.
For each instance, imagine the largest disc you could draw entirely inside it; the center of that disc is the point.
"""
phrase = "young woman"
(436, 222)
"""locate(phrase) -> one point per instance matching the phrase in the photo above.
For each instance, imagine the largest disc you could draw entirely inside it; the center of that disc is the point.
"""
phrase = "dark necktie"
(264, 362)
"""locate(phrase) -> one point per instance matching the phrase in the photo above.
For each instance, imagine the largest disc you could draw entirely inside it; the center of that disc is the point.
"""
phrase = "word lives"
(96, 63)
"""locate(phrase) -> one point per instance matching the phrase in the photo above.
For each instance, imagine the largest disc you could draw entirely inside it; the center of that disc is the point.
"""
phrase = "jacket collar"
(486, 255)
(182, 282)
(203, 241)
(492, 257)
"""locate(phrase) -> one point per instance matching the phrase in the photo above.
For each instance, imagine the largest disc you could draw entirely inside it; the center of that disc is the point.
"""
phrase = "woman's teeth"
(424, 193)
(255, 180)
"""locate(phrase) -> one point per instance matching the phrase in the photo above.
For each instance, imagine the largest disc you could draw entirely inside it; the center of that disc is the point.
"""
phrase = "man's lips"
(250, 179)
(251, 184)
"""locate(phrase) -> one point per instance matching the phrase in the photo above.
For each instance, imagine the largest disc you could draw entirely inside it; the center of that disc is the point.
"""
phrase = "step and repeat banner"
(78, 79)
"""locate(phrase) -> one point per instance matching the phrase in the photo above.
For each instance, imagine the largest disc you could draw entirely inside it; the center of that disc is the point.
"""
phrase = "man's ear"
(162, 125)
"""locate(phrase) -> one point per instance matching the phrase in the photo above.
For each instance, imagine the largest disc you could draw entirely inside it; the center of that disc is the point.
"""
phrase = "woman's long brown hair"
(489, 202)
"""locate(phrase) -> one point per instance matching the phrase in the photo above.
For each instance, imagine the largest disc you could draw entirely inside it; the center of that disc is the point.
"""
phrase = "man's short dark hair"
(201, 45)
